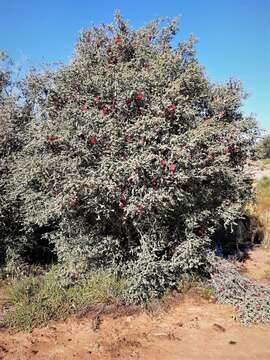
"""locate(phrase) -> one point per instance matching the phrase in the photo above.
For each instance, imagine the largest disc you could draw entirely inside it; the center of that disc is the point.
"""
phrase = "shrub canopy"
(13, 119)
(133, 158)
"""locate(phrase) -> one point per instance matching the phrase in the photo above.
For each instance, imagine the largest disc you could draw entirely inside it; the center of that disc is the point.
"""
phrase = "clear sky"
(234, 35)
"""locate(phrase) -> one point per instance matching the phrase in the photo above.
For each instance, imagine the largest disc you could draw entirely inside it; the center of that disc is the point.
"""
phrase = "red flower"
(73, 202)
(258, 306)
(97, 100)
(230, 149)
(141, 207)
(128, 101)
(92, 140)
(128, 138)
(171, 107)
(112, 61)
(154, 184)
(84, 108)
(105, 110)
(122, 203)
(139, 97)
(172, 168)
(52, 138)
(163, 163)
(118, 40)
(237, 307)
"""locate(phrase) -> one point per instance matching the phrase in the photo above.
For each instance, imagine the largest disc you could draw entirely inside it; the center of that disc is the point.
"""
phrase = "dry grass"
(260, 210)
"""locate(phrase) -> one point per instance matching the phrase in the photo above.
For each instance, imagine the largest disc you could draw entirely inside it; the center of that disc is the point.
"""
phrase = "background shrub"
(263, 148)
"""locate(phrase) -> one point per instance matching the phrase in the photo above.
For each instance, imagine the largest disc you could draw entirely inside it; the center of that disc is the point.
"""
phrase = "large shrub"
(134, 158)
(13, 118)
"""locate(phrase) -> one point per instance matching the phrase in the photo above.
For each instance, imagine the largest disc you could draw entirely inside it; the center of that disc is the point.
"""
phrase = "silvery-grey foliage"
(132, 159)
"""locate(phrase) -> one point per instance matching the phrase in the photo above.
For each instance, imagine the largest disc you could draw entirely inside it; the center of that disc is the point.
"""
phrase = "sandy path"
(189, 329)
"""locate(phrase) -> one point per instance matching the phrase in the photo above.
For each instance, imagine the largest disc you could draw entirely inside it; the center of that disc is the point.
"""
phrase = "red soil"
(188, 328)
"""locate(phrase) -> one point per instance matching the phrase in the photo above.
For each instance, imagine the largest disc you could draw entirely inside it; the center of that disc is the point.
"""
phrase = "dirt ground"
(189, 328)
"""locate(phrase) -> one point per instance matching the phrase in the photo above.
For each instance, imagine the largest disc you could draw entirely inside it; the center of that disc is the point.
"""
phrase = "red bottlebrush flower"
(97, 99)
(73, 202)
(92, 140)
(172, 168)
(229, 149)
(154, 184)
(82, 136)
(52, 138)
(128, 101)
(117, 40)
(128, 138)
(84, 108)
(141, 207)
(171, 107)
(122, 203)
(112, 61)
(139, 97)
(105, 110)
(163, 162)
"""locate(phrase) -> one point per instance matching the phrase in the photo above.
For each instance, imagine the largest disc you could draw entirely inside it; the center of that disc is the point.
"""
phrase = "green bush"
(132, 159)
(13, 120)
(37, 300)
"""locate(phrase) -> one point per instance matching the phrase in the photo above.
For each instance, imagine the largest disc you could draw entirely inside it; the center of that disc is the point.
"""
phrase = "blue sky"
(234, 35)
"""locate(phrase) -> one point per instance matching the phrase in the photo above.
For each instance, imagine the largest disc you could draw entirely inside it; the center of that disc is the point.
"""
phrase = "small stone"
(218, 327)
(180, 324)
